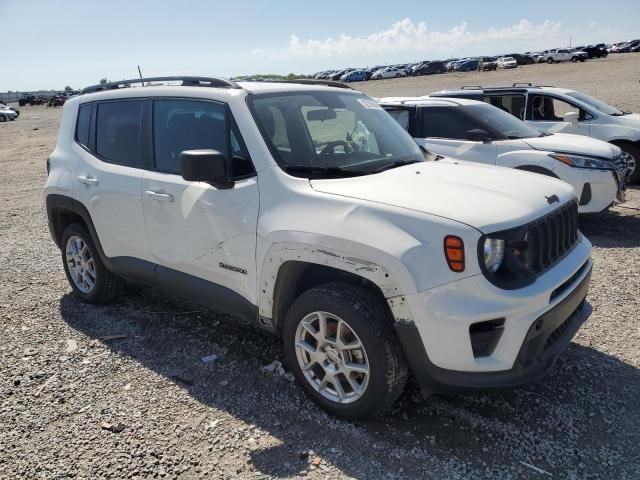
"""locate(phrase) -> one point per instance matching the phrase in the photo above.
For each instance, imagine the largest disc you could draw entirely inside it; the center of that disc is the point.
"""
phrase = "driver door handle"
(161, 197)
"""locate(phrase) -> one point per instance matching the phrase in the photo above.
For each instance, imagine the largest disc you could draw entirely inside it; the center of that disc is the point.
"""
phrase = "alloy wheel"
(332, 357)
(631, 165)
(82, 268)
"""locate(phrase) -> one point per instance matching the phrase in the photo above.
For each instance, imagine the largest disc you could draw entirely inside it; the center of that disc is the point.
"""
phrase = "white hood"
(579, 144)
(485, 197)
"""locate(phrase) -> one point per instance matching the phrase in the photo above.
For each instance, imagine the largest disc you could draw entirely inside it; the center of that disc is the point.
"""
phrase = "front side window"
(442, 122)
(346, 131)
(180, 125)
(550, 109)
(118, 132)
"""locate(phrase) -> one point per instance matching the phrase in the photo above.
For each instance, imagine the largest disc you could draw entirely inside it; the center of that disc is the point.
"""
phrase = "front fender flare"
(280, 253)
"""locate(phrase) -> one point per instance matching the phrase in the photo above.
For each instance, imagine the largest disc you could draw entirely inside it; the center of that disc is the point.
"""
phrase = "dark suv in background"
(429, 68)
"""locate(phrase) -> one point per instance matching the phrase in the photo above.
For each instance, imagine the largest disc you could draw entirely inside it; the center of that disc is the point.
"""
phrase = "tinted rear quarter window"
(118, 132)
(83, 125)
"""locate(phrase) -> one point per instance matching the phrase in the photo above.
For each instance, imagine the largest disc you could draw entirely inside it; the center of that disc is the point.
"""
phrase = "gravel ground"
(75, 401)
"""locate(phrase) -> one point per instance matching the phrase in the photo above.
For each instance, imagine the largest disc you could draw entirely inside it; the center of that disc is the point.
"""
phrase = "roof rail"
(514, 85)
(186, 82)
(313, 81)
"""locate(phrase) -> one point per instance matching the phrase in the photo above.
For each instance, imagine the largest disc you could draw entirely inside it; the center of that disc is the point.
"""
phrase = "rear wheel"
(91, 281)
(549, 61)
(340, 344)
(3, 118)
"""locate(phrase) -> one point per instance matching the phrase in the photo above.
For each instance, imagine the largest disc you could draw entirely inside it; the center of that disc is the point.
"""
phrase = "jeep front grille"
(551, 237)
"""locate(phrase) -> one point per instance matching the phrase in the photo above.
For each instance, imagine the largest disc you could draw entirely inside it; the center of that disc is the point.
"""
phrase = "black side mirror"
(478, 135)
(203, 166)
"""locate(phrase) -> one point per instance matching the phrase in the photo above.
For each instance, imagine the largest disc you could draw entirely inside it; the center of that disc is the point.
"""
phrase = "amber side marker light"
(454, 252)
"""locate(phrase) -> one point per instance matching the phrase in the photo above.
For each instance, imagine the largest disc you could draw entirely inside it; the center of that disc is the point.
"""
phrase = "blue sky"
(49, 44)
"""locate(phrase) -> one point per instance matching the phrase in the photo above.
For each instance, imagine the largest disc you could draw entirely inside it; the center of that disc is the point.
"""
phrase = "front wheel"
(633, 157)
(90, 279)
(549, 61)
(340, 344)
(574, 59)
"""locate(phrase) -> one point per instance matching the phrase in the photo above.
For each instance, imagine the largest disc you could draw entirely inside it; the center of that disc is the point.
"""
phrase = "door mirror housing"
(571, 117)
(203, 166)
(478, 135)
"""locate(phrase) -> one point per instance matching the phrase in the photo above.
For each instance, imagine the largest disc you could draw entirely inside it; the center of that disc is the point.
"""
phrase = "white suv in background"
(479, 132)
(507, 62)
(562, 110)
(310, 212)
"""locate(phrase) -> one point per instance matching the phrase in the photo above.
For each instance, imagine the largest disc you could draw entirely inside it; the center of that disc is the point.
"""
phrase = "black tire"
(107, 285)
(574, 59)
(3, 118)
(368, 316)
(549, 61)
(634, 151)
(398, 75)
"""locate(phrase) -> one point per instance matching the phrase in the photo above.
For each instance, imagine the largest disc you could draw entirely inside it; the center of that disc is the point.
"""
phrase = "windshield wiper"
(321, 170)
(397, 163)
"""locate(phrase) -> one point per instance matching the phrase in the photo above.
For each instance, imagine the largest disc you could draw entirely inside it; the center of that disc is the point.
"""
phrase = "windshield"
(331, 132)
(595, 103)
(501, 122)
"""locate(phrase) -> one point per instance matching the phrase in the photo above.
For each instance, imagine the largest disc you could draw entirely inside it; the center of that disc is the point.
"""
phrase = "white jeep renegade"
(309, 211)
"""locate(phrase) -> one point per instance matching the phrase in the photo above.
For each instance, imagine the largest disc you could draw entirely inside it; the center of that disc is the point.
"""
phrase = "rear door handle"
(89, 180)
(161, 197)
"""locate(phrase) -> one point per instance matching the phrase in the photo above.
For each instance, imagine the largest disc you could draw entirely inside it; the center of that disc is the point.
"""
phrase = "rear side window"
(445, 123)
(118, 132)
(83, 125)
(513, 104)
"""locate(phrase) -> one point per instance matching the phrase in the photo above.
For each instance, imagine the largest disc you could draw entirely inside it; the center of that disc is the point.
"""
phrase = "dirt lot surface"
(75, 402)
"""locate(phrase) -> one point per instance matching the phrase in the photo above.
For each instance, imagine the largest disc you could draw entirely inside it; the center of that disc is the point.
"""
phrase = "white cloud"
(406, 37)
(408, 40)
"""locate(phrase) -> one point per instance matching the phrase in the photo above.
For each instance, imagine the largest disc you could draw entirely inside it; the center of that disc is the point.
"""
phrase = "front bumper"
(547, 337)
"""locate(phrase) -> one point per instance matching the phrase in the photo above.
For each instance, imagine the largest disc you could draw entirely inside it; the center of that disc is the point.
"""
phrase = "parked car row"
(467, 64)
(625, 47)
(55, 100)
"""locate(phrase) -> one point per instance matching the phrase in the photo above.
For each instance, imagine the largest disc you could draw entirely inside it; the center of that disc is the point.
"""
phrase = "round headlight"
(493, 253)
